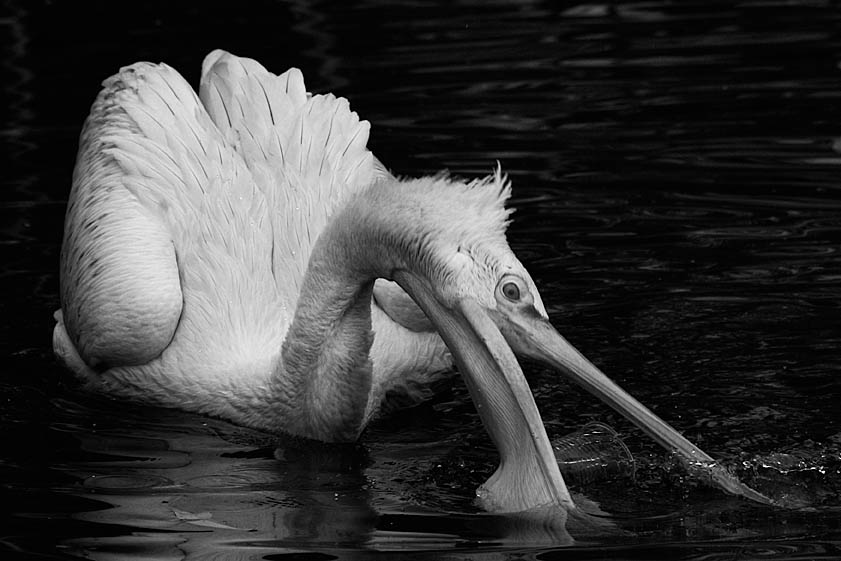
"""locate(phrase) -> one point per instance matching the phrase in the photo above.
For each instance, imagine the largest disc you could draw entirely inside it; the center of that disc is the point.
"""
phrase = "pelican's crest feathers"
(471, 217)
(481, 203)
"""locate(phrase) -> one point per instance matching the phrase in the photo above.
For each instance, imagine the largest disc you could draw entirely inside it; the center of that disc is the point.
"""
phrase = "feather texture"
(191, 226)
(307, 154)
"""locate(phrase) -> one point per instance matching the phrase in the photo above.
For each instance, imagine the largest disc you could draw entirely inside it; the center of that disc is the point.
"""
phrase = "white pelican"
(242, 254)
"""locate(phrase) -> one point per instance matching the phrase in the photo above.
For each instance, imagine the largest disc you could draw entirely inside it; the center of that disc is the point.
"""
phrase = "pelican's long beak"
(528, 476)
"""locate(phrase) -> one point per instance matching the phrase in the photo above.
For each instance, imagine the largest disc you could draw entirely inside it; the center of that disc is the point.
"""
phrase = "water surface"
(676, 181)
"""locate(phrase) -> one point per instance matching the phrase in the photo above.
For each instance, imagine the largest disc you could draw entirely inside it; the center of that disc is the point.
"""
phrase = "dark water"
(676, 170)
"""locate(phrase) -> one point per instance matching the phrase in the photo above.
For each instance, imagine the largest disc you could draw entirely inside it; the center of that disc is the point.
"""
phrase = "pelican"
(242, 254)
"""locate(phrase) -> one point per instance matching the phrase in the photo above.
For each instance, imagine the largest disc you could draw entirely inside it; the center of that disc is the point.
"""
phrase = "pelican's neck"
(325, 370)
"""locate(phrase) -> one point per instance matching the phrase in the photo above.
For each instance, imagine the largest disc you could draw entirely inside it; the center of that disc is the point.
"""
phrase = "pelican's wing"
(165, 226)
(306, 152)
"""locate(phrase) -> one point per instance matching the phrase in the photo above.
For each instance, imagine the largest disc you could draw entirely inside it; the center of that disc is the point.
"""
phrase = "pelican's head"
(460, 270)
(486, 307)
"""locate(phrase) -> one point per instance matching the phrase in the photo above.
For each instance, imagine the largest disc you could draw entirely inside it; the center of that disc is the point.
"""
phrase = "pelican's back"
(190, 221)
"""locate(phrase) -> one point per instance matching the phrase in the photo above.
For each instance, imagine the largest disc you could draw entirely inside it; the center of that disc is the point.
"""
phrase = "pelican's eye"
(513, 289)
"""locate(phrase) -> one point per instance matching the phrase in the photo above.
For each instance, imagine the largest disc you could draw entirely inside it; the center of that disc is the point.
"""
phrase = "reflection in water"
(212, 487)
(209, 486)
(675, 171)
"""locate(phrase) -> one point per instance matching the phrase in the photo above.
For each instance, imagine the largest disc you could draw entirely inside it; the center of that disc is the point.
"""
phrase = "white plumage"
(203, 216)
(231, 253)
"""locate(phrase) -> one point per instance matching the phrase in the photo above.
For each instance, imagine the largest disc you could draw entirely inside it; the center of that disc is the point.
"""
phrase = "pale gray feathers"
(192, 220)
(306, 153)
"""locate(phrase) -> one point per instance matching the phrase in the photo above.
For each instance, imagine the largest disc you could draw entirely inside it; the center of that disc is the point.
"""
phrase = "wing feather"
(305, 152)
(160, 145)
(241, 178)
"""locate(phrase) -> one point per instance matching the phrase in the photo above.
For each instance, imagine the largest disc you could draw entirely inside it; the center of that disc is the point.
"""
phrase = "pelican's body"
(189, 232)
(227, 255)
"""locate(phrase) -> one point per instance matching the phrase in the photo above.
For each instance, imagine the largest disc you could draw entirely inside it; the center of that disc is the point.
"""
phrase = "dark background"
(676, 180)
